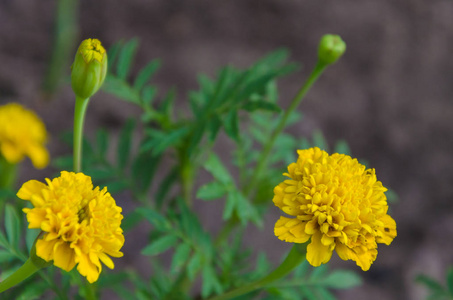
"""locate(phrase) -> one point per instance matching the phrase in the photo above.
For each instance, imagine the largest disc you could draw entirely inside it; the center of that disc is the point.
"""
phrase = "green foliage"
(156, 162)
(436, 290)
(314, 283)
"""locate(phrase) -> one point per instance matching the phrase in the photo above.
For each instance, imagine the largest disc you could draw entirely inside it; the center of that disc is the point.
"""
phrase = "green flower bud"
(331, 48)
(89, 68)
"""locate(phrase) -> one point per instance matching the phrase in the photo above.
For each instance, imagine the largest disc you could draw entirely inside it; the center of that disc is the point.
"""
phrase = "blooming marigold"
(338, 204)
(81, 225)
(22, 133)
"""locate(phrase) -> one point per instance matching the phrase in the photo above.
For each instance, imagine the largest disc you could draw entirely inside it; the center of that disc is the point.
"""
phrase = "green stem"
(26, 270)
(294, 258)
(262, 162)
(79, 117)
(90, 291)
(8, 173)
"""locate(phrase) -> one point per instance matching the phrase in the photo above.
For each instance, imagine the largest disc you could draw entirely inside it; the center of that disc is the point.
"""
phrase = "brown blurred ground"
(390, 96)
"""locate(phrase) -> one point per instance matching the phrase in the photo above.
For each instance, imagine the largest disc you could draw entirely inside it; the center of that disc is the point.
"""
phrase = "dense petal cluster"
(80, 225)
(22, 133)
(336, 203)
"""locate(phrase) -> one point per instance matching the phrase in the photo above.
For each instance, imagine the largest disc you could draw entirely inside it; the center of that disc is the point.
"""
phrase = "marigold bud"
(331, 48)
(89, 68)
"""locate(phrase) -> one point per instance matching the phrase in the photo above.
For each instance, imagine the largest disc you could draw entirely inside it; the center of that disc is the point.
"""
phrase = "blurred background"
(390, 96)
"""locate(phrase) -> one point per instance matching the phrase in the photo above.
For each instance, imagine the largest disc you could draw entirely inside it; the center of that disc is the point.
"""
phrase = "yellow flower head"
(89, 68)
(22, 133)
(81, 225)
(338, 204)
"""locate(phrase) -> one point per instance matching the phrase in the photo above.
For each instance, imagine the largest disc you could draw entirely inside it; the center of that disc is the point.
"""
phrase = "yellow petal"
(30, 188)
(11, 152)
(87, 268)
(388, 231)
(317, 253)
(39, 156)
(64, 256)
(343, 251)
(44, 249)
(106, 260)
(311, 227)
(291, 230)
(36, 217)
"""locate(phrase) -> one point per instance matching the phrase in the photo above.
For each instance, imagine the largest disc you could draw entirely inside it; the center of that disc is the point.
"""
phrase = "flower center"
(83, 214)
(91, 49)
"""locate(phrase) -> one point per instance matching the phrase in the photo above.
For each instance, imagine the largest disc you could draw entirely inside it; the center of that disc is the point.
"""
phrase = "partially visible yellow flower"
(89, 68)
(81, 225)
(336, 203)
(22, 133)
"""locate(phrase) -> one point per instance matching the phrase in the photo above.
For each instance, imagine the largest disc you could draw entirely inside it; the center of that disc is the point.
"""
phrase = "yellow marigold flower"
(81, 225)
(22, 133)
(338, 204)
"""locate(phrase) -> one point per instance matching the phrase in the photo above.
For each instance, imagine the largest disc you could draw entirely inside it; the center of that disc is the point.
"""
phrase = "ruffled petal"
(291, 230)
(32, 188)
(64, 256)
(317, 253)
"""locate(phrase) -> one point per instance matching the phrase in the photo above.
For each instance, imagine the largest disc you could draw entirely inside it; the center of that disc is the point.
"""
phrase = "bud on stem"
(331, 48)
(89, 68)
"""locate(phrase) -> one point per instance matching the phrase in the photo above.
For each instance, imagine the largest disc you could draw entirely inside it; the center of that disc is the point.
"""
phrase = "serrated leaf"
(145, 74)
(230, 205)
(194, 265)
(30, 236)
(120, 89)
(197, 135)
(319, 272)
(430, 283)
(214, 125)
(272, 91)
(308, 293)
(169, 139)
(113, 54)
(148, 94)
(180, 257)
(125, 58)
(32, 291)
(342, 147)
(160, 245)
(324, 294)
(143, 170)
(211, 191)
(231, 125)
(210, 282)
(261, 104)
(6, 256)
(217, 169)
(124, 143)
(12, 226)
(155, 218)
(165, 186)
(342, 279)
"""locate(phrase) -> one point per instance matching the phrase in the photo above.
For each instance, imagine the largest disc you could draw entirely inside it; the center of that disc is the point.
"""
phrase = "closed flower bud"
(331, 48)
(89, 68)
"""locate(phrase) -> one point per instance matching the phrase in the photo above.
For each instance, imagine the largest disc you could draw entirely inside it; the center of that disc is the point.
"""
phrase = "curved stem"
(26, 270)
(294, 258)
(79, 118)
(262, 162)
